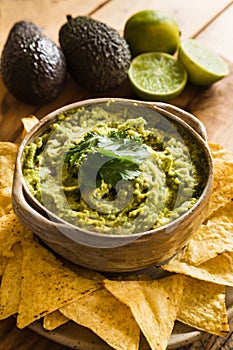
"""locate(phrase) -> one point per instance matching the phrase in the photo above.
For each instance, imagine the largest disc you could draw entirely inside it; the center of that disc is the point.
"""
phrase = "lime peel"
(204, 66)
(152, 30)
(157, 76)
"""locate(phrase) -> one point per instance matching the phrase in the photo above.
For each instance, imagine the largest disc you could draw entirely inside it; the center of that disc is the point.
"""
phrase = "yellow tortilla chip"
(106, 316)
(217, 270)
(154, 305)
(47, 284)
(10, 286)
(203, 306)
(28, 123)
(212, 239)
(11, 232)
(84, 272)
(54, 320)
(5, 201)
(3, 264)
(220, 153)
(222, 192)
(8, 153)
(224, 214)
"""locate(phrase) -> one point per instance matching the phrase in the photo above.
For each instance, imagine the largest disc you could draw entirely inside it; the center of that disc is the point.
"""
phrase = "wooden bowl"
(105, 252)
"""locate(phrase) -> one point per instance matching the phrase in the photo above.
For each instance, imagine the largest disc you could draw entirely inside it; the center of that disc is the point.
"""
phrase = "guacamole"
(115, 171)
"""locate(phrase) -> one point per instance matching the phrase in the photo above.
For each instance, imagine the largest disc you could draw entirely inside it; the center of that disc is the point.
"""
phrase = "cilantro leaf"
(111, 170)
(123, 147)
(75, 152)
(118, 169)
(112, 157)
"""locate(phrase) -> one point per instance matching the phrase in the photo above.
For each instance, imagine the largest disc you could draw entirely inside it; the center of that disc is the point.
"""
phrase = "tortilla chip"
(5, 201)
(217, 270)
(212, 239)
(11, 282)
(54, 320)
(84, 272)
(220, 153)
(28, 123)
(11, 232)
(224, 214)
(154, 305)
(8, 153)
(3, 264)
(222, 192)
(47, 284)
(106, 316)
(203, 307)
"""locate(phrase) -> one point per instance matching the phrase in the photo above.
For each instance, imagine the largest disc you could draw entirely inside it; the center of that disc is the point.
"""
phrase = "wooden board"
(116, 12)
(50, 15)
(218, 35)
(214, 107)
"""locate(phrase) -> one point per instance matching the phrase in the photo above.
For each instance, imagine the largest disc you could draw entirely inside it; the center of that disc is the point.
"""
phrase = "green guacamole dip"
(117, 172)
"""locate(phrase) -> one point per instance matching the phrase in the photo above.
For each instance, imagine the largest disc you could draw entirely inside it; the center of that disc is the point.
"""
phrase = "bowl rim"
(48, 119)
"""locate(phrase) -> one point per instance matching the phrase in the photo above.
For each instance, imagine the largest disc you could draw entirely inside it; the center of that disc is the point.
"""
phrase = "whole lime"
(152, 30)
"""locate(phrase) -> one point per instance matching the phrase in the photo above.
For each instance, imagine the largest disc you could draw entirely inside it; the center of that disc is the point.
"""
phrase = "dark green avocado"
(33, 67)
(97, 56)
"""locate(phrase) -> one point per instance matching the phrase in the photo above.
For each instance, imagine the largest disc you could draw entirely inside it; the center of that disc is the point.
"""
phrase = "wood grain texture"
(218, 33)
(49, 14)
(211, 342)
(116, 12)
(12, 338)
(214, 107)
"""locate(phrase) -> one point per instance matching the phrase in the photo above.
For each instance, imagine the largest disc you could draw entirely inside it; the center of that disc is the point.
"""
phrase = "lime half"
(204, 66)
(157, 76)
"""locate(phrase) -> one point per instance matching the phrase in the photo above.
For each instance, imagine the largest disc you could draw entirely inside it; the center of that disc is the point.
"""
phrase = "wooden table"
(209, 21)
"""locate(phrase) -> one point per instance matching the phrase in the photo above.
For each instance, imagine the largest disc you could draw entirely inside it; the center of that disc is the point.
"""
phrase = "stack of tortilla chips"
(35, 284)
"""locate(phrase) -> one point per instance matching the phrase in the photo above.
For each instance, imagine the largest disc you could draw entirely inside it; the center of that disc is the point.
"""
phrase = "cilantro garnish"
(113, 157)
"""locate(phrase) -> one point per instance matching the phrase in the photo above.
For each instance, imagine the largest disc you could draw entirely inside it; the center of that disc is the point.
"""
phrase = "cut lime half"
(204, 66)
(157, 76)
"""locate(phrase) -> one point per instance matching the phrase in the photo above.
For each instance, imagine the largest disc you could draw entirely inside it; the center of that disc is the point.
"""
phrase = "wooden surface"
(209, 21)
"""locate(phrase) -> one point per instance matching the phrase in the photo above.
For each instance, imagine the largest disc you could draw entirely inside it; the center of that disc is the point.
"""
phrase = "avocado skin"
(33, 67)
(97, 56)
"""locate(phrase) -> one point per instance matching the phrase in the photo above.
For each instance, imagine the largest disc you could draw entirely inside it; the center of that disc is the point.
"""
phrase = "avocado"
(97, 56)
(33, 67)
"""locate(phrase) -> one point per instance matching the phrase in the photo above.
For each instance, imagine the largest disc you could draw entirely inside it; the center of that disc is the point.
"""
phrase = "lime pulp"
(204, 66)
(157, 76)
